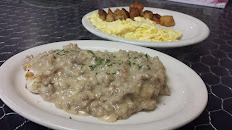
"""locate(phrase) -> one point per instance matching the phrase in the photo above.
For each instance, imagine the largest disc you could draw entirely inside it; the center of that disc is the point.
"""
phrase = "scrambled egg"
(140, 29)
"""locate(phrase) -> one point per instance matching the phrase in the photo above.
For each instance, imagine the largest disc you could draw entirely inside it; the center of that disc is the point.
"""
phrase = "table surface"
(28, 23)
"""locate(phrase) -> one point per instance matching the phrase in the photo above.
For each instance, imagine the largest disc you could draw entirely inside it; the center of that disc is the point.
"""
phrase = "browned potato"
(167, 21)
(102, 14)
(156, 18)
(126, 12)
(141, 13)
(110, 16)
(120, 14)
(148, 15)
(136, 5)
(110, 12)
(134, 12)
(136, 9)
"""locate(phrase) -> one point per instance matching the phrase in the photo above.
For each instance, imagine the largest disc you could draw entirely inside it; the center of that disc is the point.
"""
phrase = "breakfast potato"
(110, 12)
(167, 21)
(110, 16)
(120, 14)
(134, 12)
(141, 13)
(148, 15)
(102, 14)
(126, 12)
(156, 18)
(136, 5)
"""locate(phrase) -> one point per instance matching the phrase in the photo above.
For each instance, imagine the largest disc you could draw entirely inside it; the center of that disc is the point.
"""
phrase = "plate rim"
(17, 108)
(171, 44)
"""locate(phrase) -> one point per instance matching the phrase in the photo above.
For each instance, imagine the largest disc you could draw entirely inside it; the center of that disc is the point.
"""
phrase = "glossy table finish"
(28, 23)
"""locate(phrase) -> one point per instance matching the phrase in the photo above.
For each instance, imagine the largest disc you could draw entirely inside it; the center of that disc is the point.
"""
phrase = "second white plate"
(193, 30)
(188, 94)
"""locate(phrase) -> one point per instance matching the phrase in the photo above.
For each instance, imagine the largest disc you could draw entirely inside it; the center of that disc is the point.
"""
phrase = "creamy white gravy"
(107, 85)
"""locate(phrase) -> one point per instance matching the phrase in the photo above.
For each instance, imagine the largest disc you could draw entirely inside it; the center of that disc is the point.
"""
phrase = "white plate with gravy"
(187, 100)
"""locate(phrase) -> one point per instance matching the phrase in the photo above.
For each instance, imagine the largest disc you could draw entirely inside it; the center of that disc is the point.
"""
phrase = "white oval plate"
(188, 94)
(193, 30)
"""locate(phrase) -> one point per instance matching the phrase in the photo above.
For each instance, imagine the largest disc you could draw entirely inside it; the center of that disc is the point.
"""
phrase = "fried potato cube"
(126, 12)
(156, 18)
(120, 14)
(110, 12)
(110, 16)
(148, 15)
(167, 21)
(141, 13)
(102, 14)
(134, 12)
(136, 5)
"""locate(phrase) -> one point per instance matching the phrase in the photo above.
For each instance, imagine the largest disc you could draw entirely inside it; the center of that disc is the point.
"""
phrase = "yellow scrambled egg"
(140, 29)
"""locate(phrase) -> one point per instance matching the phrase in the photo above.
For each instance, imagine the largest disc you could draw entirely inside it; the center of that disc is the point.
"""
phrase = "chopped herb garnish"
(139, 56)
(91, 52)
(82, 66)
(129, 62)
(92, 67)
(148, 67)
(113, 55)
(99, 62)
(107, 60)
(70, 117)
(111, 73)
(96, 58)
(109, 65)
(62, 52)
(128, 54)
(96, 73)
(75, 51)
(146, 56)
(56, 50)
(139, 66)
